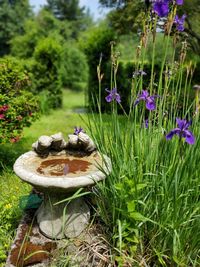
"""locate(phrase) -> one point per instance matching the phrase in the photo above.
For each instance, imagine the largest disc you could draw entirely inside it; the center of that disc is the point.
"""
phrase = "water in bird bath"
(62, 166)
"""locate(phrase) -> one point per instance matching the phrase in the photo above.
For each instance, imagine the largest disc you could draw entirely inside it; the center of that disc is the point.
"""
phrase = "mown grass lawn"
(11, 188)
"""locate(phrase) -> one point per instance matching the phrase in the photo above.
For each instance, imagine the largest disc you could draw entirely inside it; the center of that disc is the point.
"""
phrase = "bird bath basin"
(59, 176)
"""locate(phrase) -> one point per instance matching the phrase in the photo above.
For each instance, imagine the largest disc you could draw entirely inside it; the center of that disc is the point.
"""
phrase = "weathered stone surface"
(81, 142)
(46, 144)
(50, 219)
(28, 164)
(77, 218)
(72, 142)
(87, 142)
(60, 221)
(30, 248)
(58, 142)
(55, 143)
(42, 146)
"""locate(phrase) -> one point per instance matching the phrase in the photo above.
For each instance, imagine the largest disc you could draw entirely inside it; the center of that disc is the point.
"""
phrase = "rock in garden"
(81, 142)
(73, 141)
(42, 146)
(86, 142)
(58, 142)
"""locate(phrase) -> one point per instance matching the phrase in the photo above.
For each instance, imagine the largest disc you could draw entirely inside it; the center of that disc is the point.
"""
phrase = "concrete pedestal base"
(62, 220)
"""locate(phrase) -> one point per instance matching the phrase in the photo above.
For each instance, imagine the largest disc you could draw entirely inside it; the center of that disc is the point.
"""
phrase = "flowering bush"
(18, 107)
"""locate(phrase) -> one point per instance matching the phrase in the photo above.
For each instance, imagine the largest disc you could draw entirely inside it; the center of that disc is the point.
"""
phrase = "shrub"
(74, 69)
(18, 107)
(45, 71)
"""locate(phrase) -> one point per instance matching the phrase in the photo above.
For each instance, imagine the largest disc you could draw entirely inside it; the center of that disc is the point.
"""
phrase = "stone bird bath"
(59, 169)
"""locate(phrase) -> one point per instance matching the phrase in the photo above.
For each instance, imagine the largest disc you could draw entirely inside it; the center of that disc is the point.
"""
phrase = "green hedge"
(74, 68)
(45, 71)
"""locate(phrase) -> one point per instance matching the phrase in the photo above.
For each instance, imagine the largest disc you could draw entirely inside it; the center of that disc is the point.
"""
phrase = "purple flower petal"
(172, 133)
(136, 101)
(109, 98)
(117, 98)
(180, 22)
(145, 93)
(182, 131)
(150, 100)
(146, 123)
(77, 130)
(150, 104)
(161, 7)
(181, 123)
(189, 137)
(113, 95)
(179, 2)
(114, 91)
(188, 124)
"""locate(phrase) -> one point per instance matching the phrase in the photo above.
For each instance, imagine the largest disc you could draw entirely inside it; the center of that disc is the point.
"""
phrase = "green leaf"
(133, 249)
(131, 206)
(138, 216)
(141, 186)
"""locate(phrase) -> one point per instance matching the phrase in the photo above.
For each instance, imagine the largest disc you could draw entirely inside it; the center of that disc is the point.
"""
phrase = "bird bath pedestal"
(59, 176)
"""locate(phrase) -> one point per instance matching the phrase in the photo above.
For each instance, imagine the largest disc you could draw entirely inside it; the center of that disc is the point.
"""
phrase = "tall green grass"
(150, 201)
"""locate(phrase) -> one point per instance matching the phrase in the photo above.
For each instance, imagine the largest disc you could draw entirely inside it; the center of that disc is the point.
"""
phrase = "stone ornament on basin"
(58, 169)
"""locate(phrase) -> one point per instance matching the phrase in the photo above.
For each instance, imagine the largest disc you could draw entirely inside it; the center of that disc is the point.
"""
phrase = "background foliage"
(13, 15)
(18, 106)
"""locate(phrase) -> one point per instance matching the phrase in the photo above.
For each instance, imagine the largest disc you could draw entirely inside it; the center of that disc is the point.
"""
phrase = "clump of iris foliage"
(150, 201)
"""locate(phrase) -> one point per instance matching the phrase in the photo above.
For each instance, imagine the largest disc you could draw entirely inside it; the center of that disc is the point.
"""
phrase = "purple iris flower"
(78, 130)
(180, 22)
(149, 100)
(179, 2)
(161, 7)
(146, 123)
(113, 95)
(182, 131)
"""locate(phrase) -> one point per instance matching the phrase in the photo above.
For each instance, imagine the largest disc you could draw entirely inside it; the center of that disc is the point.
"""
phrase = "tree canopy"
(127, 16)
(12, 16)
(65, 9)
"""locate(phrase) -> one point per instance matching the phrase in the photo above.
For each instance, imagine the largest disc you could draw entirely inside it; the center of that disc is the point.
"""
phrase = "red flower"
(14, 139)
(2, 116)
(4, 108)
